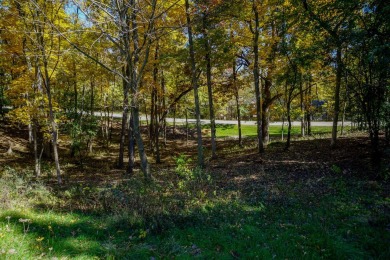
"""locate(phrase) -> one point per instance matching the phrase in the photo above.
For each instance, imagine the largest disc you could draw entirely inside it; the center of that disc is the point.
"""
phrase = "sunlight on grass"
(229, 130)
(200, 220)
(251, 130)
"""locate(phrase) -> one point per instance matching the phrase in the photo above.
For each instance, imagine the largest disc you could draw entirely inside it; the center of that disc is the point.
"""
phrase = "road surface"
(234, 122)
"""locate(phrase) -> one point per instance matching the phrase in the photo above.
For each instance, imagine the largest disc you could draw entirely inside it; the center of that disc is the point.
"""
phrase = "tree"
(40, 49)
(334, 22)
(123, 18)
(194, 84)
(368, 70)
(256, 75)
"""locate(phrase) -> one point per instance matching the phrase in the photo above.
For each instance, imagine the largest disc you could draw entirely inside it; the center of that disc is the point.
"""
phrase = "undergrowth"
(185, 214)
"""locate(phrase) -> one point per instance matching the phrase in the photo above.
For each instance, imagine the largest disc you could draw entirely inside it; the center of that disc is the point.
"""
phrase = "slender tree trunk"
(343, 118)
(194, 83)
(344, 106)
(164, 105)
(337, 96)
(47, 83)
(209, 86)
(257, 79)
(237, 103)
(112, 119)
(135, 79)
(125, 113)
(146, 117)
(37, 161)
(53, 126)
(174, 121)
(186, 126)
(75, 91)
(288, 143)
(288, 98)
(92, 95)
(1, 99)
(387, 123)
(265, 119)
(131, 144)
(302, 107)
(30, 132)
(309, 111)
(152, 118)
(141, 149)
(157, 140)
(283, 127)
(156, 129)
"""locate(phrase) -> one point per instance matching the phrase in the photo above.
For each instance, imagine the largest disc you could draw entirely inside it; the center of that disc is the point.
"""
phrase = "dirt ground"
(308, 159)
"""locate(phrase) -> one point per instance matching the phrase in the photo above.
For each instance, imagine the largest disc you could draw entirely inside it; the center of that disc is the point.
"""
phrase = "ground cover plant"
(305, 203)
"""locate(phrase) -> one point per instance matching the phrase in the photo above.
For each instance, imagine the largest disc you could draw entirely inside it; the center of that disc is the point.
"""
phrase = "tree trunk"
(135, 79)
(131, 144)
(343, 118)
(236, 94)
(53, 125)
(302, 107)
(194, 84)
(152, 117)
(2, 99)
(174, 122)
(289, 125)
(92, 100)
(75, 92)
(47, 83)
(30, 133)
(141, 149)
(37, 161)
(209, 86)
(163, 108)
(288, 99)
(186, 126)
(265, 123)
(283, 127)
(124, 121)
(337, 96)
(344, 106)
(308, 111)
(257, 79)
(156, 129)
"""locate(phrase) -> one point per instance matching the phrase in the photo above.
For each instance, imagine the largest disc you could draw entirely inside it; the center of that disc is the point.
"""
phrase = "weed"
(26, 224)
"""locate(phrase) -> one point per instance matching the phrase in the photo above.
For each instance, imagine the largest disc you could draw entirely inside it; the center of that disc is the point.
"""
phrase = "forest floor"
(309, 202)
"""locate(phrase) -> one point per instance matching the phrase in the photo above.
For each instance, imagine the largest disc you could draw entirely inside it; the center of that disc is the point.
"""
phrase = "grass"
(225, 130)
(231, 130)
(201, 220)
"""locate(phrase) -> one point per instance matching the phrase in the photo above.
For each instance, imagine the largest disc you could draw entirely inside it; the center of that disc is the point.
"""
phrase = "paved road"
(234, 122)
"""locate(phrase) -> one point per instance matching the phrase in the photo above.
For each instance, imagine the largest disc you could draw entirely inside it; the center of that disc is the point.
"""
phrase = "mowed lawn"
(227, 130)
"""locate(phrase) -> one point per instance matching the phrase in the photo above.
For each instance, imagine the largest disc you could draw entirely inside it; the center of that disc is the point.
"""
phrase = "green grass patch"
(224, 130)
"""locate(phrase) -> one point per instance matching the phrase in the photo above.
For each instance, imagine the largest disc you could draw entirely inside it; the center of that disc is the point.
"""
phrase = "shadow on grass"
(327, 226)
